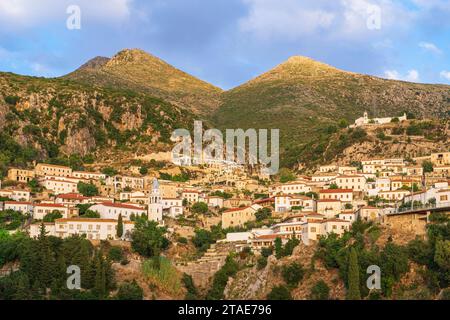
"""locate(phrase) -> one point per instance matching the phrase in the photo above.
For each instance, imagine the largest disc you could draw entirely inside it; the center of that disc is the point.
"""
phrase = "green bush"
(261, 263)
(279, 293)
(115, 254)
(130, 291)
(320, 291)
(293, 274)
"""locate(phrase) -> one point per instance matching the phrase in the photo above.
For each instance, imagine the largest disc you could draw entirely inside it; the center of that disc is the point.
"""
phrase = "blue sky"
(228, 42)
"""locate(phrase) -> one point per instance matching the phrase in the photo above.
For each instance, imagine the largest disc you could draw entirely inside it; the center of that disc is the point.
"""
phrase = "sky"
(228, 42)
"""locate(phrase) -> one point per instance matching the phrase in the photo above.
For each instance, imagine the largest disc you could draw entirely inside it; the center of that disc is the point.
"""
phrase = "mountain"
(54, 118)
(305, 99)
(142, 72)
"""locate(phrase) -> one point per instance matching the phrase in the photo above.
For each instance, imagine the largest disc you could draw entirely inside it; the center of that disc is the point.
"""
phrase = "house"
(369, 213)
(192, 196)
(284, 203)
(289, 188)
(347, 170)
(239, 216)
(214, 201)
(443, 197)
(323, 177)
(108, 210)
(20, 175)
(394, 195)
(348, 216)
(20, 206)
(440, 159)
(42, 209)
(327, 168)
(172, 207)
(92, 229)
(344, 195)
(355, 182)
(236, 202)
(15, 194)
(60, 186)
(89, 175)
(329, 207)
(314, 229)
(44, 169)
(71, 199)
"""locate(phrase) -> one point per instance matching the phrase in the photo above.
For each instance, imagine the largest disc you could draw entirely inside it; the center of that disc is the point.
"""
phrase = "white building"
(60, 186)
(365, 120)
(42, 209)
(155, 208)
(92, 229)
(16, 195)
(109, 210)
(20, 206)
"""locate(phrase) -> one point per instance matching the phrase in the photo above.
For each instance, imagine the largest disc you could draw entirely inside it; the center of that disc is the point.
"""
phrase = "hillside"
(412, 138)
(305, 99)
(50, 118)
(142, 72)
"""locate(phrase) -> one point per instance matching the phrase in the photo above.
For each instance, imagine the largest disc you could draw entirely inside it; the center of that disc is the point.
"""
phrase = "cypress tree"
(119, 227)
(353, 277)
(278, 248)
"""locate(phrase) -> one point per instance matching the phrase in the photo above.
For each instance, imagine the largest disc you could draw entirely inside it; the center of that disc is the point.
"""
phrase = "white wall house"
(60, 186)
(113, 210)
(42, 209)
(20, 206)
(16, 195)
(92, 229)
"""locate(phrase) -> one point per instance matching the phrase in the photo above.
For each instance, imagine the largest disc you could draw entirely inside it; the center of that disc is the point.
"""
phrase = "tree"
(320, 291)
(286, 175)
(263, 214)
(119, 230)
(109, 171)
(343, 123)
(52, 216)
(293, 274)
(427, 166)
(143, 171)
(199, 208)
(353, 277)
(147, 236)
(278, 248)
(334, 186)
(279, 293)
(192, 292)
(87, 189)
(130, 291)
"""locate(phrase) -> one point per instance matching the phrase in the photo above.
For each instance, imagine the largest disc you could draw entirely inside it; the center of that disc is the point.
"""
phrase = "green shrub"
(261, 263)
(320, 291)
(130, 291)
(293, 274)
(115, 254)
(279, 293)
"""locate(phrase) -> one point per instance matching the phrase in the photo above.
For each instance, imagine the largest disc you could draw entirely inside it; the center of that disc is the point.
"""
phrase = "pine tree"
(353, 277)
(278, 248)
(119, 227)
(100, 277)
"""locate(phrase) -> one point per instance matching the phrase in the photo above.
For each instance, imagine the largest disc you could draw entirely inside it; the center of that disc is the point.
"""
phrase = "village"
(305, 207)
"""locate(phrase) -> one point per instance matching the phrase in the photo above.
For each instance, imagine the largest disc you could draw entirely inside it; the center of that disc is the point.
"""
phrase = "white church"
(365, 120)
(159, 206)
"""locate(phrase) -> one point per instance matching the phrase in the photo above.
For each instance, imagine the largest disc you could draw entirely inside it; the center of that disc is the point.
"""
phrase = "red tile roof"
(336, 191)
(122, 206)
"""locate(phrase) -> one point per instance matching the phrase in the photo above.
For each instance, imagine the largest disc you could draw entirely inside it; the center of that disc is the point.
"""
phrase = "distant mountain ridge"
(136, 94)
(137, 70)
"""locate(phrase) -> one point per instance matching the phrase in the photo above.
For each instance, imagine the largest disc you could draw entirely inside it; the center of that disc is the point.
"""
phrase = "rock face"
(57, 117)
(254, 284)
(203, 269)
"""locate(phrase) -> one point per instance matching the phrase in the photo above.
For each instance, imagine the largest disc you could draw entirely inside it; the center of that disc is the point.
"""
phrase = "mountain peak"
(95, 63)
(132, 56)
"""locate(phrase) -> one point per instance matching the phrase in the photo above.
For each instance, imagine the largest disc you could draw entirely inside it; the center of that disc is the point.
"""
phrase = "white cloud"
(342, 19)
(267, 18)
(428, 46)
(411, 76)
(445, 74)
(28, 13)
